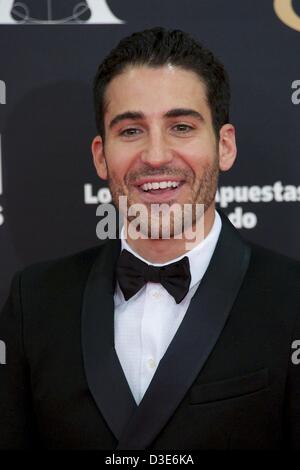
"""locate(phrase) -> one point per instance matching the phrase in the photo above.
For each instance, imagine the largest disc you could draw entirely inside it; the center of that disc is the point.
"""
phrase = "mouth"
(157, 190)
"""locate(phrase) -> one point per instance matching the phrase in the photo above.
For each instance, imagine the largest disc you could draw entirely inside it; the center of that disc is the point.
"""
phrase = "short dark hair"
(157, 47)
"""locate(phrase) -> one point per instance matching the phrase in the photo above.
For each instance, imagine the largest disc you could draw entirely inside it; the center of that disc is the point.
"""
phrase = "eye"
(130, 132)
(182, 128)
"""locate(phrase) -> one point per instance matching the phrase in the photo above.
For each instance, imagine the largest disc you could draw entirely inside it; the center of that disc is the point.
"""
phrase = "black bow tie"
(132, 274)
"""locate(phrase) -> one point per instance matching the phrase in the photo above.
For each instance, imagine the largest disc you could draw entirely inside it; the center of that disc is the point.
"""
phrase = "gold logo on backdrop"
(285, 11)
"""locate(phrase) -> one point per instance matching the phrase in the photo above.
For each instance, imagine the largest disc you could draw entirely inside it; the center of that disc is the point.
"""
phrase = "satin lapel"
(104, 373)
(194, 340)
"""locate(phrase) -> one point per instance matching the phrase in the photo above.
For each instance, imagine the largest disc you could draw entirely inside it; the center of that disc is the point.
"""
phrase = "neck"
(164, 250)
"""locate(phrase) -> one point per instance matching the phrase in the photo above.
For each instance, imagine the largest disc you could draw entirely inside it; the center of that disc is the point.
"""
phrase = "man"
(141, 343)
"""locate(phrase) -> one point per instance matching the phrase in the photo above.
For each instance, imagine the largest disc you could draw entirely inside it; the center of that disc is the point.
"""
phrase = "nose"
(156, 151)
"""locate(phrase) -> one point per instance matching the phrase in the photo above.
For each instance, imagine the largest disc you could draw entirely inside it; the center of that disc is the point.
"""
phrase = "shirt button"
(151, 363)
(156, 295)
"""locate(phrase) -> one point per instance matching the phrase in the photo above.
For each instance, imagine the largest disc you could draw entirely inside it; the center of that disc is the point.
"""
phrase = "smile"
(159, 191)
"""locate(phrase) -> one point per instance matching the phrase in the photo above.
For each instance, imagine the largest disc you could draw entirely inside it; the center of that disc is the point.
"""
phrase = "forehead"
(155, 90)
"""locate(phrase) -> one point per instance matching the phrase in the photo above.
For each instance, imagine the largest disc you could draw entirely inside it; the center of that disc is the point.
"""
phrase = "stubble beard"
(203, 191)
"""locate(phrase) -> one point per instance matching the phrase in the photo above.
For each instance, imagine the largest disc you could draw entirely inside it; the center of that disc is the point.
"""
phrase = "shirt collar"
(199, 256)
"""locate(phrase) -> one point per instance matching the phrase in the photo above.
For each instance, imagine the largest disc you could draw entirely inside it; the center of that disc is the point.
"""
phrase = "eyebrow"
(176, 112)
(127, 115)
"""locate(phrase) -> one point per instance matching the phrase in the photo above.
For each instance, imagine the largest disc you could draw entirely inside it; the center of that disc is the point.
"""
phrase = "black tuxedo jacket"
(227, 379)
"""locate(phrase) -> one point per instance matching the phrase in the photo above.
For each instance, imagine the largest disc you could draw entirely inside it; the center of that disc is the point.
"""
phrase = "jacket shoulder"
(61, 271)
(273, 268)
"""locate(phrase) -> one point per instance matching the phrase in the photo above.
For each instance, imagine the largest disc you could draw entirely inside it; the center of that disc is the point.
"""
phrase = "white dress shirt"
(145, 325)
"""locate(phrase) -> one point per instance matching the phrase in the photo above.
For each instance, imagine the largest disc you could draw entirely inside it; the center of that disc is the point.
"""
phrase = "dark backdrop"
(49, 52)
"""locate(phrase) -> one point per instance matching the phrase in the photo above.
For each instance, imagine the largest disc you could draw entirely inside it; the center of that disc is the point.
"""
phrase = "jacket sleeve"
(16, 415)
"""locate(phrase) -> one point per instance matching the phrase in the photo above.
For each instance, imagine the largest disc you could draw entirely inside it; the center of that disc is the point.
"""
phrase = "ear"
(227, 147)
(99, 158)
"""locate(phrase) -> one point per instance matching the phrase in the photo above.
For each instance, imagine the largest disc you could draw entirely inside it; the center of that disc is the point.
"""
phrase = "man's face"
(158, 128)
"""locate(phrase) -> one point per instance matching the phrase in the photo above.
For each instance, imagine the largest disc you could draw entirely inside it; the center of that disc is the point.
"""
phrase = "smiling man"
(142, 343)
(161, 133)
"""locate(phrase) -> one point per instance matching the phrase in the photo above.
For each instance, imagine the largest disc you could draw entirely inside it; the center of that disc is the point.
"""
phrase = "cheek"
(200, 149)
(198, 158)
(116, 176)
(116, 164)
(119, 158)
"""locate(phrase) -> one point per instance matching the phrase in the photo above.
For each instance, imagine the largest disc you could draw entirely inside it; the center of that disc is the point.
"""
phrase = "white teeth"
(160, 185)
